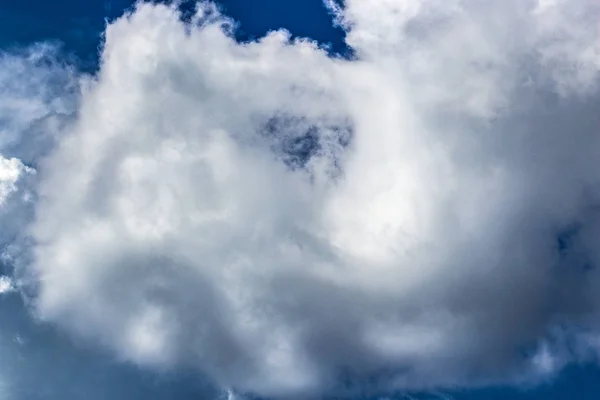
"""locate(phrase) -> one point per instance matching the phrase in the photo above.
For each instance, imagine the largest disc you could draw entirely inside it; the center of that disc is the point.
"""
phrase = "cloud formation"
(290, 223)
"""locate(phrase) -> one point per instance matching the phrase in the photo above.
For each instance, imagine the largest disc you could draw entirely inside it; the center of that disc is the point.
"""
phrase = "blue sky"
(77, 25)
(53, 364)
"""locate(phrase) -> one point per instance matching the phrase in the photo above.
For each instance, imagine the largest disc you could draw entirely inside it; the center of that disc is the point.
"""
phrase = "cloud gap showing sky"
(292, 223)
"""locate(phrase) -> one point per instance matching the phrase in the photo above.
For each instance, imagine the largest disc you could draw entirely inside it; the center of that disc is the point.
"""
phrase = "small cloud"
(6, 285)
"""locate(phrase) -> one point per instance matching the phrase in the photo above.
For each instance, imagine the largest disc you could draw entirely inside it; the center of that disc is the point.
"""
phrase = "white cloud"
(10, 169)
(15, 199)
(6, 285)
(38, 94)
(173, 228)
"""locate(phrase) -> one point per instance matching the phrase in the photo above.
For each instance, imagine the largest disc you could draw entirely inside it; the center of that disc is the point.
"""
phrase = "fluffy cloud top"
(291, 223)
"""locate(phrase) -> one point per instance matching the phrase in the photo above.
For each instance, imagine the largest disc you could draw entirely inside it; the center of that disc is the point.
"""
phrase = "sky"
(300, 199)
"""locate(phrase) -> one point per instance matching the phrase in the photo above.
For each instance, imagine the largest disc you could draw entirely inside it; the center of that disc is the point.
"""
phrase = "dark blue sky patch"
(78, 25)
(579, 382)
(306, 18)
(571, 250)
(295, 140)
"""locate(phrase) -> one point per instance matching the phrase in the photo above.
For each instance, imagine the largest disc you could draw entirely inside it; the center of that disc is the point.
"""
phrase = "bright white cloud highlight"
(10, 169)
(6, 285)
(424, 216)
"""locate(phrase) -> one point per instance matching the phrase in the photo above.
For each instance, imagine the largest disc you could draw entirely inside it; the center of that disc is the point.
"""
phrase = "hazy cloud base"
(289, 223)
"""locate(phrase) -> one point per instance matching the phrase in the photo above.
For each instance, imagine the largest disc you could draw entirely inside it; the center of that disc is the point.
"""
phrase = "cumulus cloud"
(290, 223)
